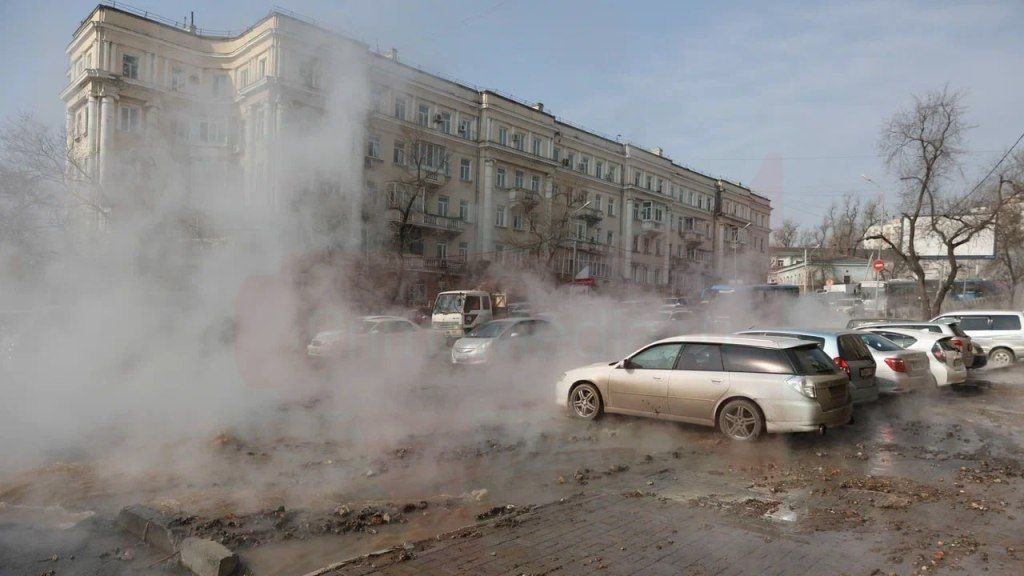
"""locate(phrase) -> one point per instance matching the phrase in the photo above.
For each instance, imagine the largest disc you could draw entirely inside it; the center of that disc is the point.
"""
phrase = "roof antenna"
(192, 21)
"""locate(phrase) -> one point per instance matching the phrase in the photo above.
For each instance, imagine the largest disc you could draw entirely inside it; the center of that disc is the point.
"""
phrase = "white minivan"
(999, 332)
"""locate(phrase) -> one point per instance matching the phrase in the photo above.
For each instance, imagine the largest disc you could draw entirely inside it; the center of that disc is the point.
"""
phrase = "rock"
(150, 526)
(891, 502)
(207, 558)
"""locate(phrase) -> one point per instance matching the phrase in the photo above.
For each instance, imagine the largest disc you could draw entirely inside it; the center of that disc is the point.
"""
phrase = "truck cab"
(459, 311)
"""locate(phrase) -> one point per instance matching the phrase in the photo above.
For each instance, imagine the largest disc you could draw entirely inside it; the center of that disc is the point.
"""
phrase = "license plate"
(866, 372)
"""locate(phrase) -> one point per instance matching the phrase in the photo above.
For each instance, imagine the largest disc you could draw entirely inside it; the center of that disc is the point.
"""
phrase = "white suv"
(999, 332)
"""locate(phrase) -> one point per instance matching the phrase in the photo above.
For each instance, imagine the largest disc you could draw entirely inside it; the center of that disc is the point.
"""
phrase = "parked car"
(855, 323)
(847, 351)
(508, 338)
(668, 323)
(364, 331)
(1000, 333)
(898, 370)
(743, 385)
(944, 359)
(958, 338)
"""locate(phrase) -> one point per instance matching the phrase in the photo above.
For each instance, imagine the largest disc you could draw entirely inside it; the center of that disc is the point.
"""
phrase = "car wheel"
(585, 402)
(1001, 358)
(741, 420)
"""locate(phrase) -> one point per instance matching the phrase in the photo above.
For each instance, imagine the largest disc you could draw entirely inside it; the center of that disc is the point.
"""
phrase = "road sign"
(878, 265)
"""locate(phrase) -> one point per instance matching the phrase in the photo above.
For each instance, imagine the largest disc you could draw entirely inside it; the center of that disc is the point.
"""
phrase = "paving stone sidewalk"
(620, 534)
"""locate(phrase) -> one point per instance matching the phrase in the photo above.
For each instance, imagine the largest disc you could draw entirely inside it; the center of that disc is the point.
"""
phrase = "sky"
(786, 97)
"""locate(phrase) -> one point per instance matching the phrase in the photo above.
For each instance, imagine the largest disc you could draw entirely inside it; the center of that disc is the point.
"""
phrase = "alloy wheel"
(1001, 358)
(740, 421)
(585, 402)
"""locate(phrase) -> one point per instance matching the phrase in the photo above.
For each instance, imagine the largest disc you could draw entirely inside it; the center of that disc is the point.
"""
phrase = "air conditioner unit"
(437, 118)
(566, 162)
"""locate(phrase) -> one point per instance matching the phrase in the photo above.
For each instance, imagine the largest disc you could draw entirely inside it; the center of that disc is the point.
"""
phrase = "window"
(220, 85)
(876, 342)
(756, 360)
(243, 77)
(974, 323)
(556, 155)
(309, 71)
(519, 179)
(535, 183)
(535, 147)
(503, 136)
(423, 115)
(177, 79)
(809, 360)
(430, 155)
(499, 178)
(518, 141)
(636, 243)
(702, 357)
(851, 348)
(131, 117)
(398, 156)
(649, 182)
(130, 66)
(657, 275)
(611, 206)
(646, 210)
(465, 170)
(212, 132)
(446, 122)
(611, 237)
(373, 147)
(400, 107)
(463, 250)
(465, 129)
(1007, 322)
(581, 230)
(441, 250)
(585, 165)
(464, 210)
(499, 217)
(261, 69)
(657, 357)
(518, 222)
(442, 205)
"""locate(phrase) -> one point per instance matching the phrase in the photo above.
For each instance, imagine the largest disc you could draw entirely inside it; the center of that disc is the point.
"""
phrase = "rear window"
(946, 344)
(852, 348)
(696, 356)
(758, 360)
(817, 340)
(879, 343)
(1007, 322)
(959, 330)
(809, 360)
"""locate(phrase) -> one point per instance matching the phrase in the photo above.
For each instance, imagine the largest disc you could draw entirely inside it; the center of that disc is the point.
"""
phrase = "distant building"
(804, 268)
(226, 102)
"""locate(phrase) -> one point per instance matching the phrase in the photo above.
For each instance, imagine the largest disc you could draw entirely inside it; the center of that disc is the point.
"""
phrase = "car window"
(900, 339)
(809, 360)
(958, 330)
(758, 360)
(880, 343)
(398, 326)
(472, 303)
(659, 357)
(1006, 322)
(852, 348)
(696, 356)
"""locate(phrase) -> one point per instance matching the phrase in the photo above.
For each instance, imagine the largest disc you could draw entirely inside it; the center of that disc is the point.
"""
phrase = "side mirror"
(513, 335)
(627, 364)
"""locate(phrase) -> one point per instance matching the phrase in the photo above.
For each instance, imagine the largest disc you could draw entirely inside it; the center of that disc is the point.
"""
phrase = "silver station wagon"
(744, 385)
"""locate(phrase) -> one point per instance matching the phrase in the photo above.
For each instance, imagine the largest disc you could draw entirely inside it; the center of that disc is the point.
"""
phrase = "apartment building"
(479, 166)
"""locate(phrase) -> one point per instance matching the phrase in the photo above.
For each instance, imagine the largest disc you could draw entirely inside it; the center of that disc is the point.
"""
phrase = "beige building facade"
(228, 102)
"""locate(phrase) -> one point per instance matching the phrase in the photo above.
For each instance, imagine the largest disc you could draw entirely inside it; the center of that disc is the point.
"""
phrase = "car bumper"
(321, 352)
(901, 384)
(864, 394)
(953, 377)
(469, 358)
(809, 417)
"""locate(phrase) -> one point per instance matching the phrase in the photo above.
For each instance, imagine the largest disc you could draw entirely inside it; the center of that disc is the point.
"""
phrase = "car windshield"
(876, 342)
(449, 304)
(808, 360)
(362, 327)
(488, 330)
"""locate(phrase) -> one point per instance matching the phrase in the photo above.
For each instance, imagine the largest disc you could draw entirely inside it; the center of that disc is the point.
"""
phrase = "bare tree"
(427, 165)
(786, 235)
(922, 146)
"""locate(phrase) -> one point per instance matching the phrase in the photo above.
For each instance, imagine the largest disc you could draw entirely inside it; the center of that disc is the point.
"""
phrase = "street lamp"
(807, 269)
(735, 246)
(575, 238)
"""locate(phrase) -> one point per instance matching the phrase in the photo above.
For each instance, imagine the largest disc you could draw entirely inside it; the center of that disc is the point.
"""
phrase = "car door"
(643, 385)
(697, 383)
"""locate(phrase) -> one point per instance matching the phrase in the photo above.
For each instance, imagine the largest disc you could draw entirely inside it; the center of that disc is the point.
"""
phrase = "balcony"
(451, 265)
(523, 197)
(435, 222)
(590, 246)
(691, 237)
(590, 215)
(651, 227)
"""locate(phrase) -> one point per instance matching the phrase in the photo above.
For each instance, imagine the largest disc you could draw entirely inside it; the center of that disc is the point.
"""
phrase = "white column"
(69, 127)
(668, 253)
(486, 220)
(106, 135)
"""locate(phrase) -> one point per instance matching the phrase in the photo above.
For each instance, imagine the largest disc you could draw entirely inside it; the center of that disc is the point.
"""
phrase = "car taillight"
(469, 318)
(897, 364)
(843, 364)
(938, 352)
(802, 385)
(957, 343)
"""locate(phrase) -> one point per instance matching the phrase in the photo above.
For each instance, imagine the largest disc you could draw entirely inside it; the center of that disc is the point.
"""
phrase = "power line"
(994, 168)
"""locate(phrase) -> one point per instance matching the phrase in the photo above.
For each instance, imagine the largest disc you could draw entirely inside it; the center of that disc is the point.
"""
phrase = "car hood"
(472, 343)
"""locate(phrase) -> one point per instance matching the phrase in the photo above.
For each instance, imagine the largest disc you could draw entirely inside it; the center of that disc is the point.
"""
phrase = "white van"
(999, 332)
(459, 311)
